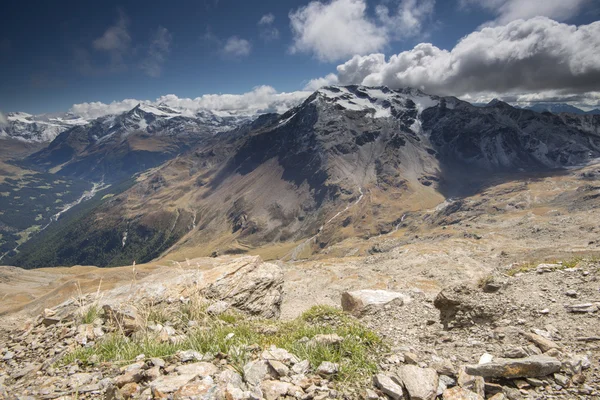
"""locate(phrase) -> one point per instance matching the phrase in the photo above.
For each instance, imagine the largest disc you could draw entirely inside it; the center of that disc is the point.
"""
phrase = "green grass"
(561, 264)
(233, 334)
(90, 314)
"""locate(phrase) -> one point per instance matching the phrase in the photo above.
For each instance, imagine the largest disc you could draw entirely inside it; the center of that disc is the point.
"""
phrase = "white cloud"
(409, 17)
(510, 10)
(237, 47)
(267, 19)
(97, 109)
(342, 28)
(157, 52)
(116, 38)
(335, 30)
(267, 31)
(261, 99)
(314, 84)
(3, 120)
(534, 56)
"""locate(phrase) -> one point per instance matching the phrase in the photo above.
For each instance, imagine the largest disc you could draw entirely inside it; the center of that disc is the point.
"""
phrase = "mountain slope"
(349, 162)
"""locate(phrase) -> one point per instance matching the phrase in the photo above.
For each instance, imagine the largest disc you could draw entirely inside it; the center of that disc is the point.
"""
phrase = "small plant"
(88, 310)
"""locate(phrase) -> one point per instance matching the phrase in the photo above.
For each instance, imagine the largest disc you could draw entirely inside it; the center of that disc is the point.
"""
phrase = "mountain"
(38, 128)
(349, 162)
(115, 147)
(557, 108)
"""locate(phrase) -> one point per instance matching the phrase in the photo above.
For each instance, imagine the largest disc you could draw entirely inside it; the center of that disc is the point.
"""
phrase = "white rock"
(363, 301)
(388, 386)
(486, 358)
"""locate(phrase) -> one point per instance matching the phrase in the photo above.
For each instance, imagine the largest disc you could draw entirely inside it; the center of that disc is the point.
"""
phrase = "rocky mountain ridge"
(348, 162)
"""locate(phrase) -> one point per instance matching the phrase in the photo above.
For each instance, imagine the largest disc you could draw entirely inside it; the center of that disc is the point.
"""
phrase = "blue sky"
(55, 54)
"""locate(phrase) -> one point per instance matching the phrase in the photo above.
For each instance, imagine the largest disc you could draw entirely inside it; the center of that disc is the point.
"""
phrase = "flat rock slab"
(529, 367)
(420, 383)
(169, 384)
(362, 301)
(388, 386)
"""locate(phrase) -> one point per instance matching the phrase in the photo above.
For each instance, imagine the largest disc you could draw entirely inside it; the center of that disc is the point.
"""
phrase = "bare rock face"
(251, 286)
(464, 306)
(529, 367)
(361, 302)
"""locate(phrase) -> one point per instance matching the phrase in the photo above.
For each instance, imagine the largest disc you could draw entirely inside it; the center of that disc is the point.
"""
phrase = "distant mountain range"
(557, 108)
(348, 162)
(38, 128)
(44, 128)
(115, 147)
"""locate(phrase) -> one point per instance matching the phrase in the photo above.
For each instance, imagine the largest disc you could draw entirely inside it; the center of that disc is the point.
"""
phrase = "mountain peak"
(495, 102)
(380, 101)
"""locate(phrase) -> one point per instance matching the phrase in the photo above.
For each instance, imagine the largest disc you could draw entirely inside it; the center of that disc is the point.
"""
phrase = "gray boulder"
(529, 367)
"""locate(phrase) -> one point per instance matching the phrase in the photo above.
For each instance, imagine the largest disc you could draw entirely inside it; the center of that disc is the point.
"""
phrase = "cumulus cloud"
(237, 47)
(157, 52)
(510, 10)
(314, 84)
(342, 28)
(3, 120)
(335, 30)
(525, 56)
(267, 31)
(261, 99)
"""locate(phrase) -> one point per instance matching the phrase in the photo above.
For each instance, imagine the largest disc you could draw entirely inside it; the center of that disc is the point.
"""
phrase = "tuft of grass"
(560, 265)
(237, 335)
(572, 263)
(484, 280)
(521, 268)
(90, 314)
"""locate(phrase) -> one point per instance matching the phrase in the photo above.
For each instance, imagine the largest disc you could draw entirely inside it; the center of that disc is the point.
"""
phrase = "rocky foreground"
(528, 332)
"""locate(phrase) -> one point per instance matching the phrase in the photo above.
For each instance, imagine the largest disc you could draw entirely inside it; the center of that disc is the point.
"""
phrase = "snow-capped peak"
(380, 101)
(38, 128)
(159, 110)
